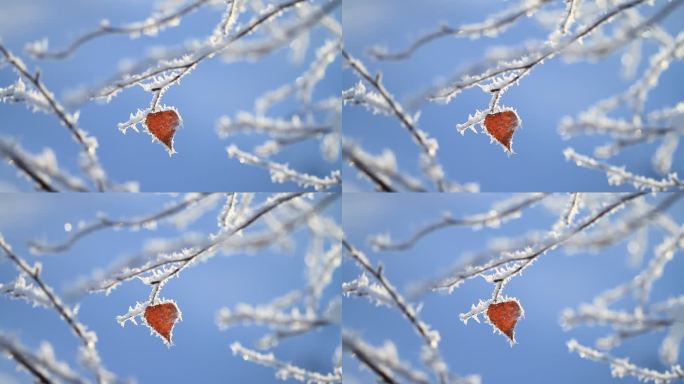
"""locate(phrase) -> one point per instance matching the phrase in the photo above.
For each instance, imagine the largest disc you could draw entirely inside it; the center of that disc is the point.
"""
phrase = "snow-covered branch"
(166, 265)
(491, 27)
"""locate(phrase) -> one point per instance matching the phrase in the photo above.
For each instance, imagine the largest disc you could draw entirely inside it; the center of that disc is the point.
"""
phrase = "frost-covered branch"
(384, 361)
(351, 154)
(282, 172)
(429, 336)
(164, 266)
(643, 318)
(619, 175)
(42, 364)
(190, 207)
(511, 264)
(285, 322)
(639, 128)
(40, 98)
(42, 169)
(297, 312)
(491, 27)
(621, 367)
(381, 170)
(504, 74)
(427, 145)
(285, 371)
(585, 222)
(164, 73)
(363, 287)
(582, 30)
(637, 219)
(284, 315)
(88, 339)
(313, 120)
(168, 264)
(498, 214)
(284, 130)
(46, 102)
(162, 19)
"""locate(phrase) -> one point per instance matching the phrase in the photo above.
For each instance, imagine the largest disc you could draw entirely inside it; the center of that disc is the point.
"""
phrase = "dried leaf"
(501, 126)
(504, 316)
(161, 318)
(163, 125)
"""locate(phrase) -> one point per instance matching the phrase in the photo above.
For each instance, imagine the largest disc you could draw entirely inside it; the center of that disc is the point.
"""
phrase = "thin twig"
(105, 223)
(496, 24)
(133, 28)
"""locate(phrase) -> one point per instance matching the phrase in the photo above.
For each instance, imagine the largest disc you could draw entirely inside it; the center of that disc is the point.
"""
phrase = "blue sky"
(555, 281)
(552, 91)
(201, 352)
(214, 89)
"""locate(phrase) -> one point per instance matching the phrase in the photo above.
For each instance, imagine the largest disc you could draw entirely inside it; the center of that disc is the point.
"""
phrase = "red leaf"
(501, 126)
(161, 318)
(163, 125)
(504, 316)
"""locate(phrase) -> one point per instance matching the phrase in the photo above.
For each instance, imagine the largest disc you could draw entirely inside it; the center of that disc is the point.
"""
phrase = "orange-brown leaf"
(161, 318)
(163, 125)
(501, 126)
(504, 316)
